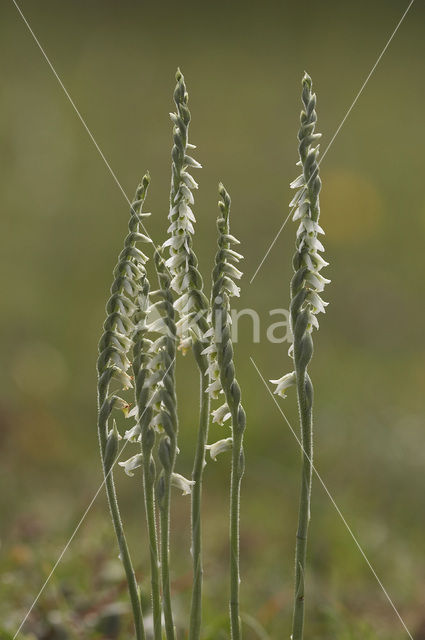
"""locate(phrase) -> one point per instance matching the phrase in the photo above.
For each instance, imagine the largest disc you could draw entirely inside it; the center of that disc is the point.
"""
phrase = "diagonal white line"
(341, 124)
(80, 117)
(83, 517)
(347, 526)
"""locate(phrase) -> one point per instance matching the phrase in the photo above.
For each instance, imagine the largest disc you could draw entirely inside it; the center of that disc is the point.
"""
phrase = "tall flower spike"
(165, 348)
(143, 432)
(191, 303)
(112, 366)
(223, 287)
(306, 285)
(192, 308)
(156, 413)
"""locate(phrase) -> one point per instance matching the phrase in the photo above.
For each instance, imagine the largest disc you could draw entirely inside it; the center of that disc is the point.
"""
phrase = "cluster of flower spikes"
(117, 339)
(191, 303)
(307, 282)
(154, 371)
(220, 352)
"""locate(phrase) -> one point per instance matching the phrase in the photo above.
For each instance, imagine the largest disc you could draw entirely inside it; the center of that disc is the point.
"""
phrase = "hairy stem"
(306, 421)
(197, 473)
(122, 542)
(148, 483)
(165, 559)
(235, 488)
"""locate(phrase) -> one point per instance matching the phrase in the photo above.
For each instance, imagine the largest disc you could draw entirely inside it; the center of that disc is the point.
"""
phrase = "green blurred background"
(63, 222)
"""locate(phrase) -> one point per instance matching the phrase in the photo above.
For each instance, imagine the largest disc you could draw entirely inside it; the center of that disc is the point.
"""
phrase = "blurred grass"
(63, 222)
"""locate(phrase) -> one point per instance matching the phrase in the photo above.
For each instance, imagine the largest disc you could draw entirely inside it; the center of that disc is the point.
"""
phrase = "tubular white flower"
(221, 446)
(182, 483)
(131, 464)
(283, 383)
(222, 414)
(133, 434)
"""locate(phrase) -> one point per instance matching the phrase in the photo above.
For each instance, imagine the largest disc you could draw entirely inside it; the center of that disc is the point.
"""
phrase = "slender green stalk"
(306, 303)
(112, 365)
(223, 287)
(305, 406)
(192, 306)
(165, 560)
(197, 476)
(149, 477)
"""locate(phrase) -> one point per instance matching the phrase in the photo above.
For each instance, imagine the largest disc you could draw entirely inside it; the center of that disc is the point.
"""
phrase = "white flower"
(122, 377)
(133, 434)
(211, 350)
(180, 482)
(132, 463)
(298, 182)
(120, 403)
(214, 388)
(231, 288)
(318, 305)
(283, 383)
(219, 447)
(134, 413)
(185, 345)
(221, 414)
(213, 371)
(175, 241)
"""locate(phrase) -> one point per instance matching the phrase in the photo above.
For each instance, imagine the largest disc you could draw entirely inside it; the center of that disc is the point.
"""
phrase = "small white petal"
(182, 483)
(221, 414)
(133, 434)
(210, 350)
(132, 463)
(219, 447)
(298, 182)
(185, 345)
(214, 389)
(317, 303)
(283, 383)
(188, 180)
(175, 241)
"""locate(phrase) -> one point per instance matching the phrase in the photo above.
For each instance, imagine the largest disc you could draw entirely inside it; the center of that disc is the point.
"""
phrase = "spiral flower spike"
(306, 303)
(221, 361)
(192, 308)
(112, 367)
(156, 418)
(144, 433)
(165, 348)
(191, 304)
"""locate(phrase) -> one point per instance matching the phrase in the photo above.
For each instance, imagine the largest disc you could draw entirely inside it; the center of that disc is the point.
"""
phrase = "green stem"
(165, 558)
(122, 542)
(197, 473)
(306, 420)
(235, 486)
(148, 482)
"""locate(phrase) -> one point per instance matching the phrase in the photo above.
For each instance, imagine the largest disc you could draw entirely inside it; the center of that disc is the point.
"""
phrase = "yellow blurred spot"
(351, 206)
(20, 554)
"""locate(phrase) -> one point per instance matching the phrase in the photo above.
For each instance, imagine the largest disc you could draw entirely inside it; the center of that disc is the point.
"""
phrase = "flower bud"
(111, 449)
(306, 351)
(165, 453)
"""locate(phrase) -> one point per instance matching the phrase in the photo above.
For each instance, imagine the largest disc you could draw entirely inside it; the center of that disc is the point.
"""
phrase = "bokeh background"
(63, 219)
